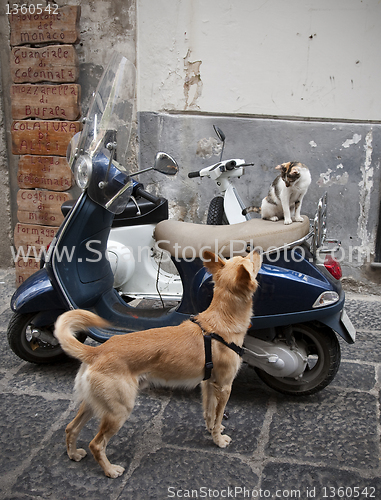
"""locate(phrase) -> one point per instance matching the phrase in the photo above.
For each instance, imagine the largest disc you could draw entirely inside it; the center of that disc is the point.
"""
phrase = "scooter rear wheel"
(323, 350)
(34, 345)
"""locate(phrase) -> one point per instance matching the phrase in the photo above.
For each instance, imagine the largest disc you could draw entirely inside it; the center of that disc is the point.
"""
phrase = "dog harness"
(208, 347)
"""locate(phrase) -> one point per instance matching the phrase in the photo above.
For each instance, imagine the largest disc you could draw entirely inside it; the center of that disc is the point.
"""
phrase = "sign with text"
(40, 206)
(32, 236)
(49, 172)
(46, 101)
(53, 63)
(39, 137)
(30, 243)
(25, 267)
(44, 24)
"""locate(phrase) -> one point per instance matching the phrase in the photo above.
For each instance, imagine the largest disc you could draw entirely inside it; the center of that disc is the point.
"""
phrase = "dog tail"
(72, 322)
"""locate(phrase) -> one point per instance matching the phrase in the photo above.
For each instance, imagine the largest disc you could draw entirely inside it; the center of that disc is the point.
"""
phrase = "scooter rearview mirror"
(219, 133)
(221, 137)
(165, 164)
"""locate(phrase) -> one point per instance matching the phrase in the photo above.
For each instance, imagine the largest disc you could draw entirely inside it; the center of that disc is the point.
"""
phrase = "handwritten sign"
(40, 25)
(38, 137)
(40, 206)
(30, 241)
(25, 267)
(31, 235)
(52, 63)
(46, 101)
(49, 172)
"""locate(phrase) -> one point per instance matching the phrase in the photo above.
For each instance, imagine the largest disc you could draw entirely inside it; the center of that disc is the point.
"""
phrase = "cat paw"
(298, 219)
(274, 219)
(288, 221)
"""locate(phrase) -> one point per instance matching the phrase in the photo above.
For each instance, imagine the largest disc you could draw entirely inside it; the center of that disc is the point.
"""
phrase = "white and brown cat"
(286, 193)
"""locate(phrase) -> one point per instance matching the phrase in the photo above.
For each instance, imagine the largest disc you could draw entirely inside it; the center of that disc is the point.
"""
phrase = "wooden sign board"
(39, 137)
(52, 63)
(40, 206)
(31, 241)
(46, 101)
(34, 237)
(49, 172)
(25, 268)
(43, 24)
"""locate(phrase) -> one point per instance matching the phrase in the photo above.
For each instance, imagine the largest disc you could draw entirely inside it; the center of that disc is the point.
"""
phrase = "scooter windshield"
(104, 141)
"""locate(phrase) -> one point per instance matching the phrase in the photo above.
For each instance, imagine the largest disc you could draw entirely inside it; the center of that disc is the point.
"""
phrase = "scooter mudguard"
(341, 324)
(37, 294)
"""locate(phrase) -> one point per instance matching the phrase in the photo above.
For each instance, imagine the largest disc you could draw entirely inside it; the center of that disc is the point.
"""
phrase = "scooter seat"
(188, 241)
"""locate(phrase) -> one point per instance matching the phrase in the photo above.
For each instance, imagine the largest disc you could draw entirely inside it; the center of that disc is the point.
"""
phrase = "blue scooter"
(298, 308)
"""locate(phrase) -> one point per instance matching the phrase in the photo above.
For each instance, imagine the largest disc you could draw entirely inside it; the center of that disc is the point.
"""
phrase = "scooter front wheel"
(216, 214)
(35, 345)
(323, 351)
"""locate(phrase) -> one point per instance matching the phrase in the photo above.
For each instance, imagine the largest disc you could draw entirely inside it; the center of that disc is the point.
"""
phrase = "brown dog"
(108, 380)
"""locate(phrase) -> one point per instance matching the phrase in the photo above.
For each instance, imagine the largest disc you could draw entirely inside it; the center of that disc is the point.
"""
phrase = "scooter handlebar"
(140, 191)
(193, 174)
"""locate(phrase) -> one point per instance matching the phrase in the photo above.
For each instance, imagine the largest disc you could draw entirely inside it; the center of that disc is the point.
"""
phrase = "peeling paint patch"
(366, 185)
(355, 140)
(193, 83)
(326, 179)
(313, 144)
(206, 148)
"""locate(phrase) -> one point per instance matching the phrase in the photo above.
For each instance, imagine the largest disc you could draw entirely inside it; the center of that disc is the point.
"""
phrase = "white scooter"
(141, 269)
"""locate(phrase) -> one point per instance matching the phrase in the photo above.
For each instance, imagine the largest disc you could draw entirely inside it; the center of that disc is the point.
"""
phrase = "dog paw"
(77, 455)
(223, 440)
(114, 471)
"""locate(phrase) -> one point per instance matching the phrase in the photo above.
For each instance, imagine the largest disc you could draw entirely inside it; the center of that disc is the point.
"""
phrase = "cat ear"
(295, 170)
(283, 166)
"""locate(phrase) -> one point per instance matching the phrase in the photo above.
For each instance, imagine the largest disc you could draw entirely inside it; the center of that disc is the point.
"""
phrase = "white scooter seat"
(186, 240)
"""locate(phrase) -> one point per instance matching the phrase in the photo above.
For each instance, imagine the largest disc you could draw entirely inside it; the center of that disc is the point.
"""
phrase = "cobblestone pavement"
(322, 446)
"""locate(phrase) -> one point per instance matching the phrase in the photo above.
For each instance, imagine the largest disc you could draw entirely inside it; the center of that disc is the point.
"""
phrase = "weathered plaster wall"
(295, 80)
(344, 160)
(304, 58)
(6, 165)
(5, 219)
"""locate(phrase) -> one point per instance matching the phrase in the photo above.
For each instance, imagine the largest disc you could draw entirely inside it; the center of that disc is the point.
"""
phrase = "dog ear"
(212, 262)
(243, 278)
(256, 259)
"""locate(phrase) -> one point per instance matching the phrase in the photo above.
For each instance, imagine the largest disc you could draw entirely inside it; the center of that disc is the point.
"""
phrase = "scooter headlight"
(82, 171)
(326, 299)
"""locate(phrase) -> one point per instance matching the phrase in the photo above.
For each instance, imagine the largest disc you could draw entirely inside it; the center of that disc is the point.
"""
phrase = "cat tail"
(247, 210)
